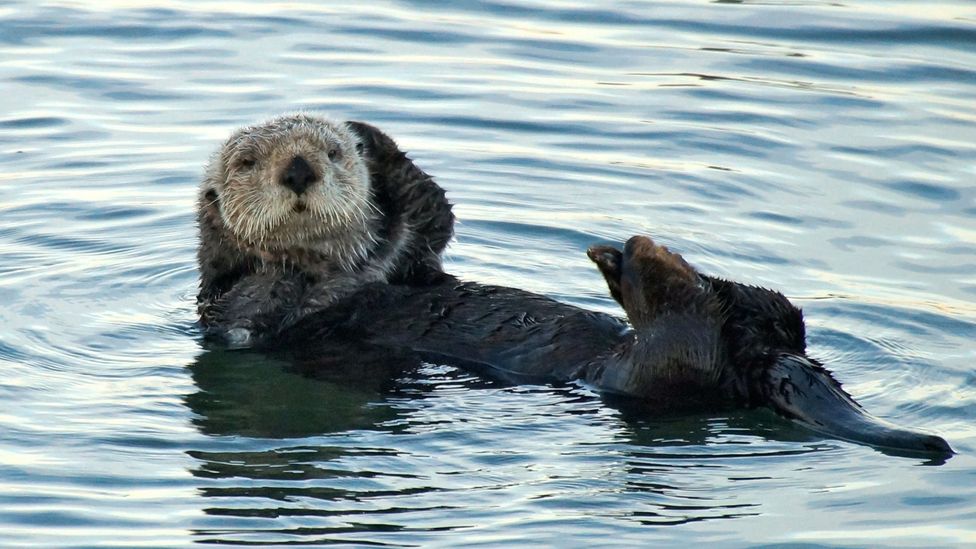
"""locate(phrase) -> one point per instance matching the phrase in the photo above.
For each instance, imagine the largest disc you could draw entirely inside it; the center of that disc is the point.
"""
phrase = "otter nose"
(298, 175)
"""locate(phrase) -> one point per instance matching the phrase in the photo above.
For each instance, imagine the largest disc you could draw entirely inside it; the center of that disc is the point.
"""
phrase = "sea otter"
(691, 339)
(298, 211)
(314, 232)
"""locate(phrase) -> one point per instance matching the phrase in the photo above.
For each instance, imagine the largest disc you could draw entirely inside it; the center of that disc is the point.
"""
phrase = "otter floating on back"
(285, 266)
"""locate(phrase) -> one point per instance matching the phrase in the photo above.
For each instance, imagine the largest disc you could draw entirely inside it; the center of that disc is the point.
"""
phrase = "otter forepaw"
(238, 338)
(609, 260)
(644, 256)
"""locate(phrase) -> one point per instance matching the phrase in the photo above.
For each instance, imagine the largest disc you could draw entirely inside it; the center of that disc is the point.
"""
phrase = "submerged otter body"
(299, 211)
(679, 344)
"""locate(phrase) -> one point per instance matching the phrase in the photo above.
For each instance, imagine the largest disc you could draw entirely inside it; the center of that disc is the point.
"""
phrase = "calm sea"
(826, 149)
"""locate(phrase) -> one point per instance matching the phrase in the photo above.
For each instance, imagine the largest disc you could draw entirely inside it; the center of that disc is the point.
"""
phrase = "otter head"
(647, 280)
(296, 181)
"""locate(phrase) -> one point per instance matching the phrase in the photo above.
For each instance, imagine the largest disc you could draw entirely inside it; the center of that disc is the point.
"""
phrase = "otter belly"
(507, 333)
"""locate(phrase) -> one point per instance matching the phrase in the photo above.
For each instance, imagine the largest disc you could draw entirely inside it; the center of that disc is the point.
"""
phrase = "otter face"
(295, 180)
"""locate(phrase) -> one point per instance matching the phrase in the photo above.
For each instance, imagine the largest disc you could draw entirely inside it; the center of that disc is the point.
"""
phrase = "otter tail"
(800, 388)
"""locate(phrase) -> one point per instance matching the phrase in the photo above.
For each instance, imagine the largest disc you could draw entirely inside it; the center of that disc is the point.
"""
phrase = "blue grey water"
(823, 148)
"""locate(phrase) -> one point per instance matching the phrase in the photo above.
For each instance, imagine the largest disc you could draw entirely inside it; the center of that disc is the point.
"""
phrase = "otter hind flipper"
(801, 389)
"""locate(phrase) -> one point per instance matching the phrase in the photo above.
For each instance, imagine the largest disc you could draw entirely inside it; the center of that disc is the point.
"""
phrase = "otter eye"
(246, 162)
(334, 154)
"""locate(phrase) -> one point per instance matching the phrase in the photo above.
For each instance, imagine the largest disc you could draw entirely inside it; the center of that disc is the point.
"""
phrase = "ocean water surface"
(825, 149)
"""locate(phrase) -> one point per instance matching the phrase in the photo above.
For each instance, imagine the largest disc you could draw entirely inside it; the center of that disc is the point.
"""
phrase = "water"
(819, 148)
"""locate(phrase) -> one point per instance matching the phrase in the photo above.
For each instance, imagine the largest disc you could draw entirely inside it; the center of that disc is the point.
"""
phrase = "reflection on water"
(820, 148)
(322, 486)
(328, 486)
(327, 464)
(254, 395)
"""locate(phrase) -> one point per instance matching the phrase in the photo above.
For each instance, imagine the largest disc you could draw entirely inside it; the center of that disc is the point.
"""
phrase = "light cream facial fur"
(269, 218)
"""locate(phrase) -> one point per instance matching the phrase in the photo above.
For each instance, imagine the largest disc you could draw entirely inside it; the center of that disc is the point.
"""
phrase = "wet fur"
(755, 327)
(681, 351)
(677, 320)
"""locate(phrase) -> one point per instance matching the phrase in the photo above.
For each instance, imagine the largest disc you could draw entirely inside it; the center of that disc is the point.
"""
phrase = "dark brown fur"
(695, 341)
